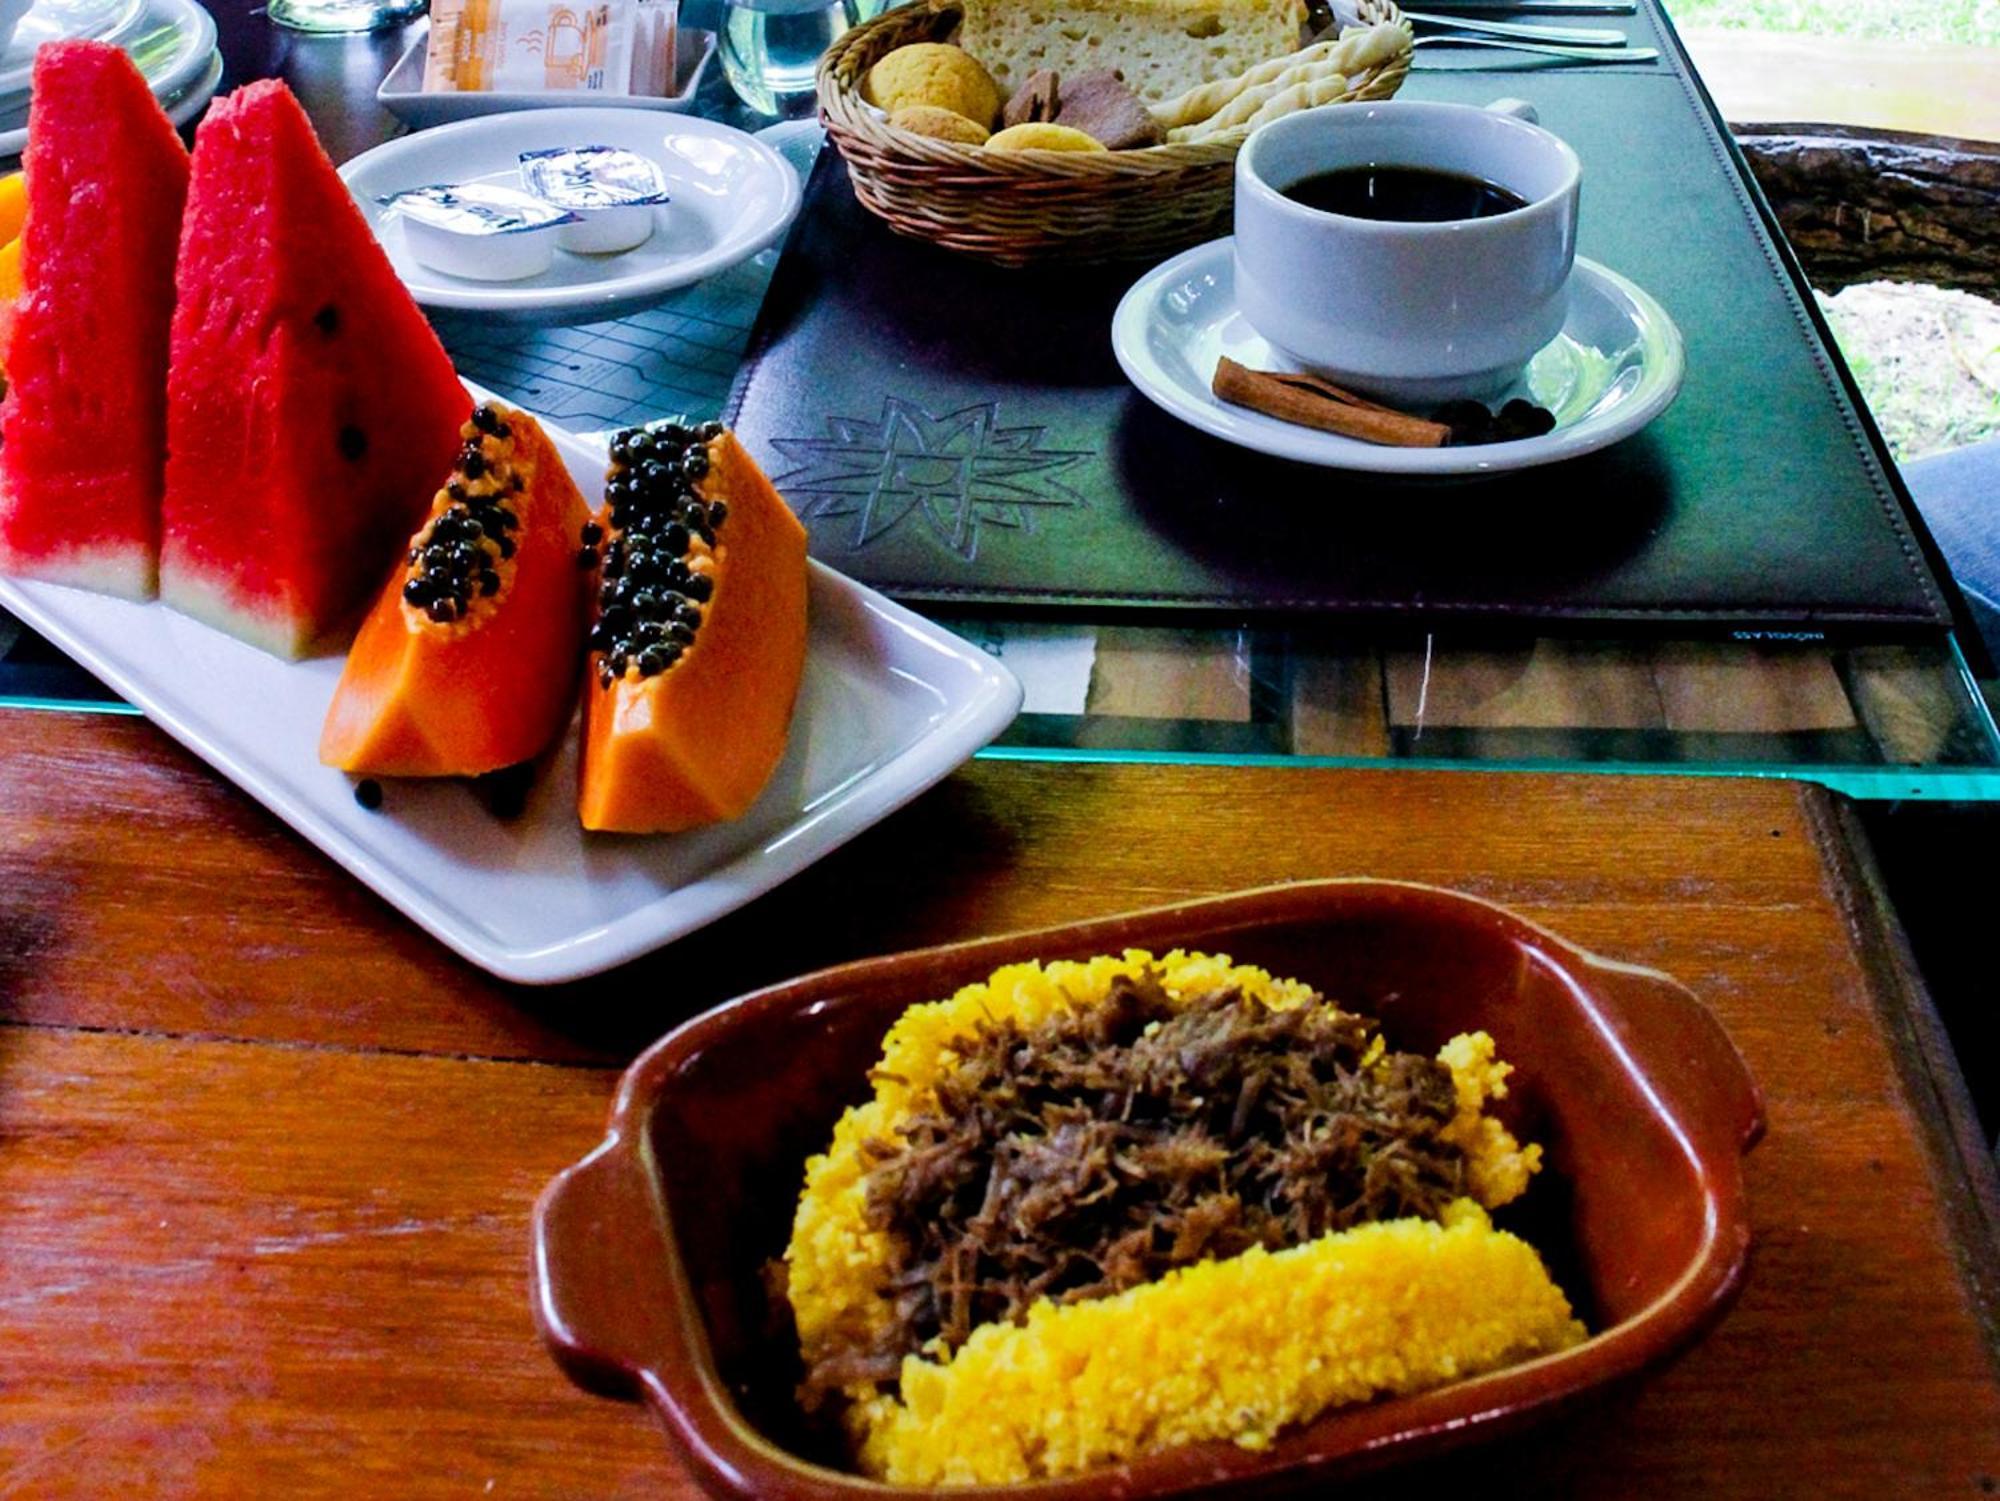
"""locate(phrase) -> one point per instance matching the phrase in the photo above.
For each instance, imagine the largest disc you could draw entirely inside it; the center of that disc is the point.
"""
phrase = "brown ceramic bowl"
(647, 1253)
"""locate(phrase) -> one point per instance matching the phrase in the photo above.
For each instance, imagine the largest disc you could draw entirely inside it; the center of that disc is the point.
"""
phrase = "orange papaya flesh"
(699, 636)
(13, 205)
(467, 661)
(13, 218)
(10, 294)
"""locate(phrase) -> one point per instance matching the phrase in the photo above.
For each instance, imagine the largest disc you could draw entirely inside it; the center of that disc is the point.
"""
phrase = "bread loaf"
(1163, 47)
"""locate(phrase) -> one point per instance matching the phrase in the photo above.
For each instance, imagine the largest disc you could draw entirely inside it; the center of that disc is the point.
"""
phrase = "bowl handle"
(603, 1283)
(1709, 1078)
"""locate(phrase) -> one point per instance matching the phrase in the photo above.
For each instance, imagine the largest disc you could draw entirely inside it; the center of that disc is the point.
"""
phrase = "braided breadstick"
(1374, 46)
(1251, 101)
(1224, 103)
(1309, 95)
(1204, 100)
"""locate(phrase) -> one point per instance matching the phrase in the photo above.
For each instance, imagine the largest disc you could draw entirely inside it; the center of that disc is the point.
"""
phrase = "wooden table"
(267, 1153)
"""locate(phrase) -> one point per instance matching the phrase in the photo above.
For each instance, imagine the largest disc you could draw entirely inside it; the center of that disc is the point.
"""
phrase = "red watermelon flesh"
(311, 412)
(83, 430)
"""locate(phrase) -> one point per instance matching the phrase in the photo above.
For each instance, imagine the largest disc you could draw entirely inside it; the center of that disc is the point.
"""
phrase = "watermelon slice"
(310, 409)
(83, 430)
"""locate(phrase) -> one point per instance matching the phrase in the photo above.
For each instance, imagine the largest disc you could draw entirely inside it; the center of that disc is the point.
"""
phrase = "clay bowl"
(647, 1253)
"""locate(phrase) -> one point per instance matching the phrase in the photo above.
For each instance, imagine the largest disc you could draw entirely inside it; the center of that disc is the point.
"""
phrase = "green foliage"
(1968, 21)
(1927, 363)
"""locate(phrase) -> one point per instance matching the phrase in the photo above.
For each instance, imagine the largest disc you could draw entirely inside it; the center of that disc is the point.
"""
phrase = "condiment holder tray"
(402, 92)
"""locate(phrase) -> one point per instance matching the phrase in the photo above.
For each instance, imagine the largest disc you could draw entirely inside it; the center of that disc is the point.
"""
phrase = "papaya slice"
(467, 661)
(10, 295)
(13, 218)
(699, 636)
(13, 205)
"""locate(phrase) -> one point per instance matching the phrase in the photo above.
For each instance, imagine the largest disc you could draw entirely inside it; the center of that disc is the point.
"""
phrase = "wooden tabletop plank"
(141, 892)
(267, 1156)
(240, 1270)
(265, 1271)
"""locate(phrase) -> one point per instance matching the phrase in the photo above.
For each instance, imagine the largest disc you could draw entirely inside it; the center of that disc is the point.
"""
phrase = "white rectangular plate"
(890, 704)
(402, 91)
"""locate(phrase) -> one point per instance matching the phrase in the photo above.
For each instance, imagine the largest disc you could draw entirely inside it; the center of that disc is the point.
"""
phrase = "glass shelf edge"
(1863, 783)
(1973, 784)
(68, 705)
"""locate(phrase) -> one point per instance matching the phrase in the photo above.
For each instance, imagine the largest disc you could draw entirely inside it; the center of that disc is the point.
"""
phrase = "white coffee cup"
(1414, 311)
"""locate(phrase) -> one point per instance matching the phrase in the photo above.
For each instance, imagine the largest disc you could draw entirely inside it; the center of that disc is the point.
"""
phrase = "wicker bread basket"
(1018, 207)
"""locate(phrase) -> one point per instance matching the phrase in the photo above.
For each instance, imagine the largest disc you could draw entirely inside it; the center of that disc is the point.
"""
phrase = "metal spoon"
(1574, 54)
(1574, 36)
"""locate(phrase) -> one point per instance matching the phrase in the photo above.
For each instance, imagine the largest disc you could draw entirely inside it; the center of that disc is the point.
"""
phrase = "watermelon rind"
(82, 468)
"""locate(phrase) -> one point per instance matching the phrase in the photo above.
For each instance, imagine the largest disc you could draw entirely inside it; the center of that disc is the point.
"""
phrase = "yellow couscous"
(1233, 1348)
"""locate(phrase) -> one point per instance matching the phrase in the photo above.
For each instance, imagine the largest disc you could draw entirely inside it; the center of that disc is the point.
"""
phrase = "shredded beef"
(1103, 1148)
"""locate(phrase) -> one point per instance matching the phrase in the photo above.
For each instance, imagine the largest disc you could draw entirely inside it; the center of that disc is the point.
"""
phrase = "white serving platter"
(890, 704)
(402, 92)
(732, 197)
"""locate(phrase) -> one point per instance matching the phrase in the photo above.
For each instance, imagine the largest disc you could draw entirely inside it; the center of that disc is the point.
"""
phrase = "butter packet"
(550, 46)
(611, 193)
(484, 231)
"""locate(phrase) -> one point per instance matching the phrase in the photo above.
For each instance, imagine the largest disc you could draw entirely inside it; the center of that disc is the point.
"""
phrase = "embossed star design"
(958, 472)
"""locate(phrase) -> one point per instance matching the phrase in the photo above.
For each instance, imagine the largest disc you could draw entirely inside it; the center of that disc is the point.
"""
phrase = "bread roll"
(939, 124)
(1037, 136)
(935, 74)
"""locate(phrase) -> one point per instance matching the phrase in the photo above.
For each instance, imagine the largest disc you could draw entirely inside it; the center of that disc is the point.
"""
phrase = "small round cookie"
(939, 124)
(1037, 135)
(933, 73)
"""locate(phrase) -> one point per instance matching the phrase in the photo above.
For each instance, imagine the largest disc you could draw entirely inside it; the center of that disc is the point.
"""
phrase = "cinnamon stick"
(1311, 402)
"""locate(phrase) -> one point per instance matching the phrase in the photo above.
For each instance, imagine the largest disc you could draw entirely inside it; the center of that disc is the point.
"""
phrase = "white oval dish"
(1616, 366)
(732, 197)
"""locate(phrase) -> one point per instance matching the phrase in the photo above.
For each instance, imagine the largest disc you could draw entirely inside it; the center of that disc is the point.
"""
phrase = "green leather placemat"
(958, 433)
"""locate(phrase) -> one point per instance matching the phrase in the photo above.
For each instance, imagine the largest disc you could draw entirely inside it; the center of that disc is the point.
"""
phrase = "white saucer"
(1615, 367)
(732, 197)
(61, 21)
(173, 42)
(402, 92)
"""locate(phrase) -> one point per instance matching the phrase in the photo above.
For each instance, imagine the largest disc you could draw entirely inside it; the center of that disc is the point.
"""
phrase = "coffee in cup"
(1420, 251)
